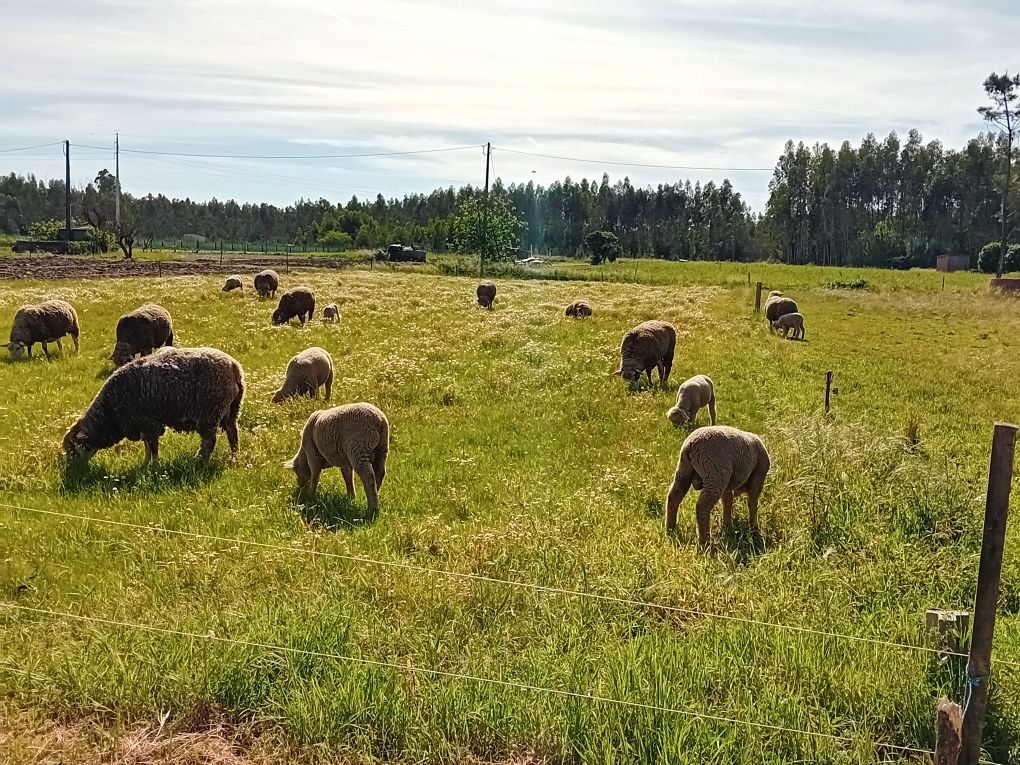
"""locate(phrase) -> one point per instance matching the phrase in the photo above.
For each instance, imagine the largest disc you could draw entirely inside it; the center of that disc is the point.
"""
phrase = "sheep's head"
(122, 354)
(279, 317)
(301, 470)
(630, 373)
(16, 349)
(678, 416)
(78, 443)
(279, 396)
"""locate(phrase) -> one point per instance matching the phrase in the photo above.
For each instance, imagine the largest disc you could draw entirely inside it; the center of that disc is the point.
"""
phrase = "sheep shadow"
(744, 542)
(183, 471)
(333, 510)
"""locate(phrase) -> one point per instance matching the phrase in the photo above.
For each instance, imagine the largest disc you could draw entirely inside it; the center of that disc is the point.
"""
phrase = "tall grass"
(514, 456)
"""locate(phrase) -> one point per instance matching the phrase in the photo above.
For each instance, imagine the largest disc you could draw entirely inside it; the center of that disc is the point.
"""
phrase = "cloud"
(673, 83)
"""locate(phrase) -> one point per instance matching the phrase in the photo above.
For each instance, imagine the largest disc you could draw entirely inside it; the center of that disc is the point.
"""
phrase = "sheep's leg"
(46, 350)
(75, 339)
(711, 408)
(727, 508)
(348, 473)
(367, 475)
(710, 495)
(677, 492)
(379, 466)
(329, 385)
(205, 450)
(151, 451)
(230, 428)
(664, 378)
(60, 346)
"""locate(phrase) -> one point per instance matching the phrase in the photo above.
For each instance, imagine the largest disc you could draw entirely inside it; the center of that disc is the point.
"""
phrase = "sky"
(719, 86)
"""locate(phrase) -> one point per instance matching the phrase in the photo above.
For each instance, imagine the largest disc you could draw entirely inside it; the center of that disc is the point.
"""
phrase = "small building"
(952, 262)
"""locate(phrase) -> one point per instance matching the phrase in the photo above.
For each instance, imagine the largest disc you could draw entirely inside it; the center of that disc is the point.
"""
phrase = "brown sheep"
(486, 293)
(778, 305)
(579, 309)
(719, 461)
(266, 283)
(45, 323)
(647, 346)
(298, 302)
(306, 373)
(142, 331)
(233, 283)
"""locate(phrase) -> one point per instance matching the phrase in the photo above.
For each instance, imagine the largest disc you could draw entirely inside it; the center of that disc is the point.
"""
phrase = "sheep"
(354, 438)
(579, 309)
(719, 461)
(306, 373)
(486, 293)
(647, 346)
(331, 313)
(778, 305)
(141, 331)
(788, 321)
(44, 323)
(266, 283)
(191, 390)
(233, 283)
(694, 393)
(299, 302)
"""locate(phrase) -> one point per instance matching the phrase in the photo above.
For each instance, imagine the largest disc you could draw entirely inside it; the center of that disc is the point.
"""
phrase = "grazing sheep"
(191, 390)
(486, 293)
(266, 283)
(719, 461)
(298, 302)
(306, 373)
(778, 305)
(354, 438)
(579, 309)
(331, 313)
(788, 321)
(142, 331)
(648, 346)
(693, 394)
(45, 323)
(233, 283)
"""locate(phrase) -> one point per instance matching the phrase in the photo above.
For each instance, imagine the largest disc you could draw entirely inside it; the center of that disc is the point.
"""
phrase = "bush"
(46, 229)
(603, 246)
(854, 284)
(988, 258)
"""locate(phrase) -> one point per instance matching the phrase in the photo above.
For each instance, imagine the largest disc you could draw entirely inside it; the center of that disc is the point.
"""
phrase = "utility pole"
(67, 192)
(116, 190)
(485, 211)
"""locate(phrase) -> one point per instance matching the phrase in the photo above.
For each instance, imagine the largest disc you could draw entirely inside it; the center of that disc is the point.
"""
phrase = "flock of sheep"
(200, 390)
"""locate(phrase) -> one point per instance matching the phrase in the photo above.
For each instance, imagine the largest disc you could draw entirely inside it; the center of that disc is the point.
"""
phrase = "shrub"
(603, 246)
(988, 258)
(854, 284)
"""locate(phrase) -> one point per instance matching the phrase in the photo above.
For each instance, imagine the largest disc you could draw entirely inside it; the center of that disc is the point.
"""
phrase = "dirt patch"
(62, 267)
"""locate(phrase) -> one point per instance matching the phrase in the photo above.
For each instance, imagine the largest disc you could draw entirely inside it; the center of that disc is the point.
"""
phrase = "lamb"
(298, 302)
(777, 305)
(331, 313)
(693, 394)
(486, 293)
(233, 283)
(719, 461)
(266, 283)
(141, 331)
(354, 438)
(579, 309)
(306, 373)
(45, 323)
(647, 346)
(191, 390)
(788, 321)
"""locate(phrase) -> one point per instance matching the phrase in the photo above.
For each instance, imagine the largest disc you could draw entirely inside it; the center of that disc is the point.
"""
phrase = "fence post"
(1000, 476)
(159, 267)
(828, 389)
(757, 297)
(286, 263)
(948, 733)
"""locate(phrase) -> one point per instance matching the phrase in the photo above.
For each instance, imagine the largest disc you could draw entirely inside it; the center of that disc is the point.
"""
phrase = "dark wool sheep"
(45, 323)
(778, 305)
(579, 309)
(331, 313)
(719, 461)
(298, 302)
(354, 438)
(141, 332)
(191, 390)
(266, 283)
(648, 346)
(486, 294)
(233, 283)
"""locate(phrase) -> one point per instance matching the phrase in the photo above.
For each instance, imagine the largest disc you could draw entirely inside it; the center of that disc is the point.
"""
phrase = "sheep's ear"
(81, 435)
(289, 463)
(615, 373)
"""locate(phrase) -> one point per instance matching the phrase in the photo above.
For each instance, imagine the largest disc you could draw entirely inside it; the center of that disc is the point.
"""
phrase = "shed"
(952, 262)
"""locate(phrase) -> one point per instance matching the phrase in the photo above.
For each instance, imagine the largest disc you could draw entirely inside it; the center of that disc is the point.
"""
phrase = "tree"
(1003, 91)
(603, 246)
(100, 211)
(500, 233)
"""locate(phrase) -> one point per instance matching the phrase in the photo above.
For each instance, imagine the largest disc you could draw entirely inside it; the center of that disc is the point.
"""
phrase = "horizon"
(653, 84)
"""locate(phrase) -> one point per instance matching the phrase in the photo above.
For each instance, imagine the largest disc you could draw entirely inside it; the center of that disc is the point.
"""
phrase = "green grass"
(515, 456)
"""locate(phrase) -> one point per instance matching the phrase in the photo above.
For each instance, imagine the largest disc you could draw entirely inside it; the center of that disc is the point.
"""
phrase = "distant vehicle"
(399, 253)
(532, 261)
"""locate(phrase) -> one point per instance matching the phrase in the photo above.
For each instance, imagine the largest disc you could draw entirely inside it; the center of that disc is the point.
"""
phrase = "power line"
(458, 676)
(494, 580)
(635, 164)
(287, 156)
(27, 148)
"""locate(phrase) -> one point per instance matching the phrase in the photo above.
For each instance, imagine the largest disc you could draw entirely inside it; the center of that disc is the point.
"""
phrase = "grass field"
(515, 457)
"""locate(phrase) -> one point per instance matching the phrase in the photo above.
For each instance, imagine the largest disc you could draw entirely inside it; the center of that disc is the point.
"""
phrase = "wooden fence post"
(1000, 476)
(757, 297)
(948, 733)
(828, 389)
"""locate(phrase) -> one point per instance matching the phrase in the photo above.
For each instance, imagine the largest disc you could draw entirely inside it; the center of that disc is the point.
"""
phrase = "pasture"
(514, 456)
